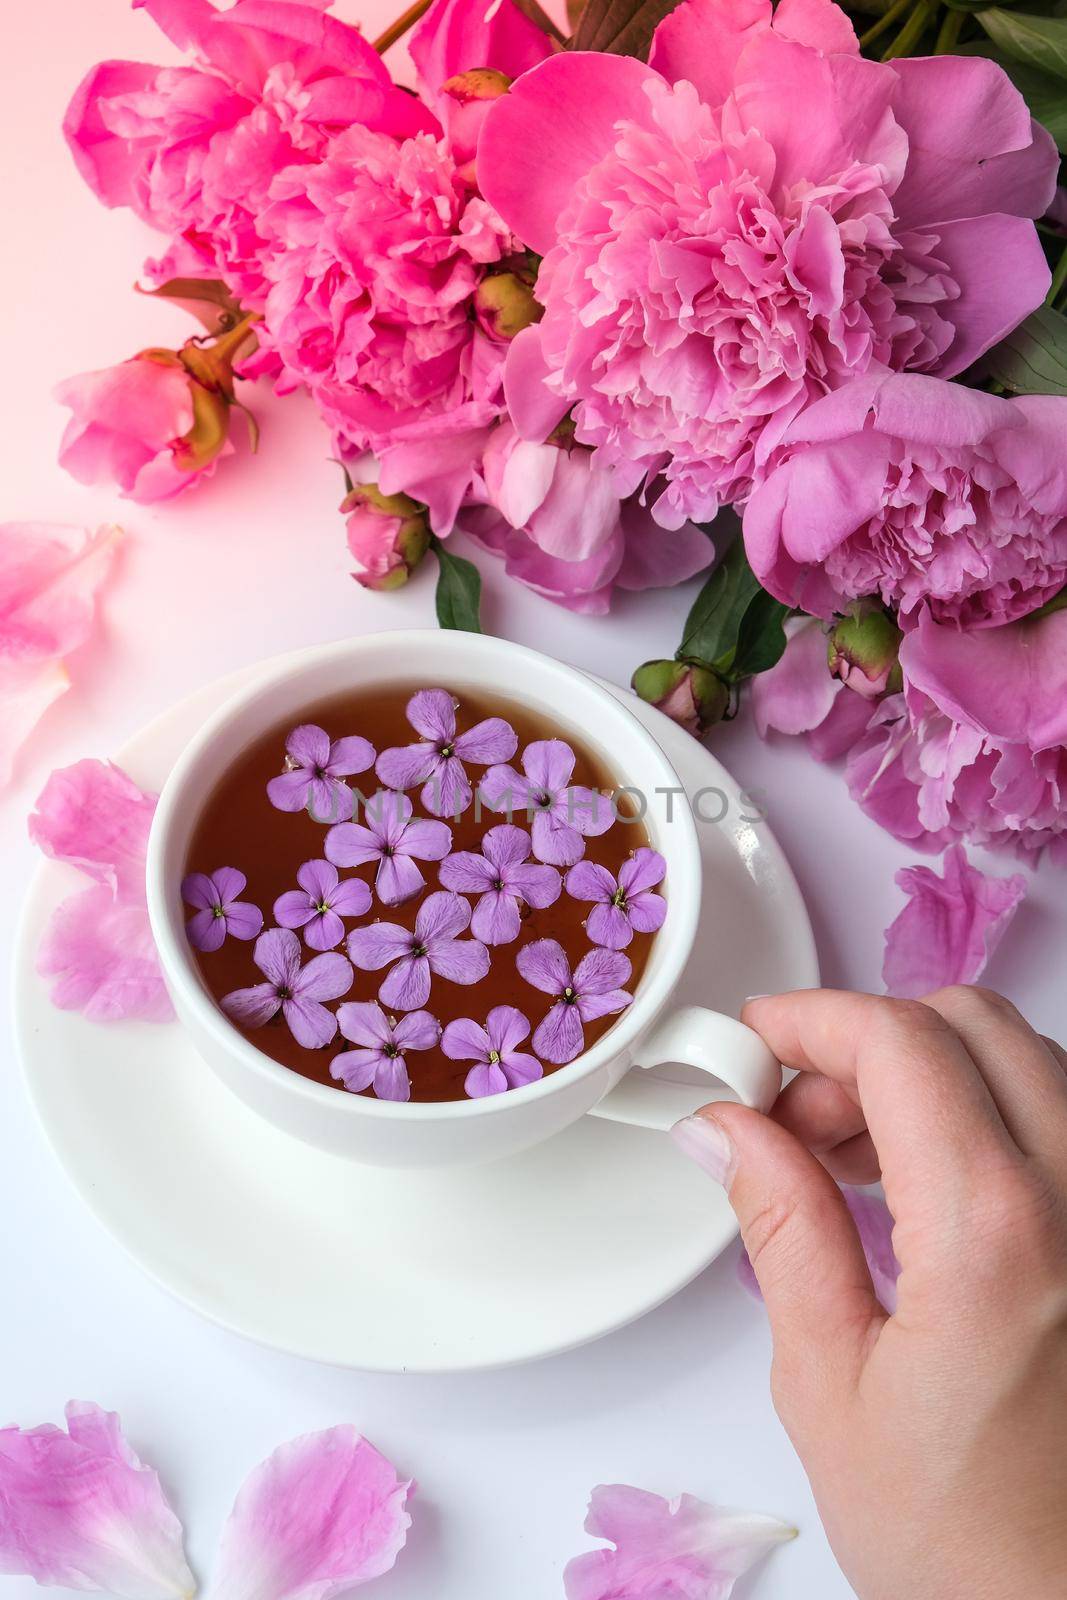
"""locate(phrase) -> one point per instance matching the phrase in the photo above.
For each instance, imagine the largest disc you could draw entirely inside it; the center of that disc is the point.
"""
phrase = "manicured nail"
(705, 1142)
(751, 997)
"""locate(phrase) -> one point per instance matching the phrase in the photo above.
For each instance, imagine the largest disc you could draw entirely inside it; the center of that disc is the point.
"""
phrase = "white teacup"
(605, 1079)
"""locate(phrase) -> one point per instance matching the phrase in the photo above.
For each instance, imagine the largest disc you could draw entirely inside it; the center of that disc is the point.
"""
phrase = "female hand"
(935, 1439)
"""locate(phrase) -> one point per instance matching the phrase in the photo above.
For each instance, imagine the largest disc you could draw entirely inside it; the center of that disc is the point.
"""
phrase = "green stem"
(949, 33)
(912, 31)
(885, 22)
(1059, 278)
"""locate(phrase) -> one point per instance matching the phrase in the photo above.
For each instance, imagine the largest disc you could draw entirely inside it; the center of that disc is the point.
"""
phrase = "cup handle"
(728, 1051)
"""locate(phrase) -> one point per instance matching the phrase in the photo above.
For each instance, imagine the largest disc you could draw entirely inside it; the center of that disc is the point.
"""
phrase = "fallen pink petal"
(667, 1548)
(79, 1509)
(322, 1515)
(950, 926)
(49, 580)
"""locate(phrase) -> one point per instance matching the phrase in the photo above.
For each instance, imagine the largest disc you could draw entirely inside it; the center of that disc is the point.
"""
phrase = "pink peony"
(553, 514)
(387, 535)
(193, 149)
(916, 490)
(749, 221)
(147, 425)
(378, 249)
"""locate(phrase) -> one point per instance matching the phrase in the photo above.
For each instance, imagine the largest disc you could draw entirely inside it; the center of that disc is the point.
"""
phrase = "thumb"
(803, 1246)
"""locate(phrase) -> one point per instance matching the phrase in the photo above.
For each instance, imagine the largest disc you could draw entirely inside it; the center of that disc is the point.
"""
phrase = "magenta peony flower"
(554, 515)
(147, 425)
(752, 219)
(378, 249)
(193, 150)
(916, 490)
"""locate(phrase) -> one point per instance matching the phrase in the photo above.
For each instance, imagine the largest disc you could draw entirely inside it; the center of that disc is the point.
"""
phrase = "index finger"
(928, 1109)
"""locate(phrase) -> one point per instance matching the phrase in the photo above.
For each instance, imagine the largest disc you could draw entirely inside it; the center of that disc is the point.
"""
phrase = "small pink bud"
(470, 94)
(693, 696)
(863, 651)
(388, 535)
(504, 304)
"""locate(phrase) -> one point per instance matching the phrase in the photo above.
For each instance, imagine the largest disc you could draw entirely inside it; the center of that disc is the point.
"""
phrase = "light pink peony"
(193, 150)
(146, 424)
(378, 250)
(752, 219)
(553, 514)
(916, 491)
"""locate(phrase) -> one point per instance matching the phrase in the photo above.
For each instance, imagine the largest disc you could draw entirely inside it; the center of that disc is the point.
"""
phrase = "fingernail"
(705, 1142)
(750, 997)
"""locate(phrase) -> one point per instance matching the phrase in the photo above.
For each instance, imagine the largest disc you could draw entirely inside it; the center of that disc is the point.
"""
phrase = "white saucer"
(384, 1271)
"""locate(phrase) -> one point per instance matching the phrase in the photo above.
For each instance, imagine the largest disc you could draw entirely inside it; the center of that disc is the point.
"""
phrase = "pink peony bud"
(863, 651)
(155, 424)
(693, 696)
(470, 94)
(504, 304)
(387, 534)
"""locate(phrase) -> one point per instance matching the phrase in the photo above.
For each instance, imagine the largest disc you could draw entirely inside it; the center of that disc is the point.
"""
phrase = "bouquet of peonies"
(584, 299)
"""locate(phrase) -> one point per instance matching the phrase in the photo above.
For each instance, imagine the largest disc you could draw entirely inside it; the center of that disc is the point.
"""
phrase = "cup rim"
(176, 957)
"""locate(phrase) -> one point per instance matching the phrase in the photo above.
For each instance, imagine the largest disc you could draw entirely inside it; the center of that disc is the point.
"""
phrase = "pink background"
(248, 565)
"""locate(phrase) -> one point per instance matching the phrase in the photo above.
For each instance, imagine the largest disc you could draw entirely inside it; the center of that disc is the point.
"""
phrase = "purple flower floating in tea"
(593, 990)
(622, 906)
(498, 1063)
(381, 1043)
(218, 913)
(296, 991)
(438, 761)
(561, 814)
(391, 836)
(316, 767)
(503, 877)
(320, 903)
(433, 947)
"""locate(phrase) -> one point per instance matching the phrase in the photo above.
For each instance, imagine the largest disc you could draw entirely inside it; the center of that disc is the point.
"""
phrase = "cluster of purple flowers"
(479, 905)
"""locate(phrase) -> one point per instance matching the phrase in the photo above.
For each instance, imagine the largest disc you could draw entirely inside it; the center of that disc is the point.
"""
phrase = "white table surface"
(249, 565)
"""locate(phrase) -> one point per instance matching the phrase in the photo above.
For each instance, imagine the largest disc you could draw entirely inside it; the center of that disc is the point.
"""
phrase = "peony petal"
(797, 693)
(1008, 682)
(702, 40)
(556, 122)
(681, 1547)
(406, 986)
(454, 36)
(321, 1515)
(534, 410)
(972, 147)
(1002, 274)
(496, 918)
(100, 953)
(819, 23)
(376, 945)
(874, 1223)
(78, 1509)
(558, 1036)
(655, 557)
(950, 926)
(96, 818)
(544, 964)
(459, 960)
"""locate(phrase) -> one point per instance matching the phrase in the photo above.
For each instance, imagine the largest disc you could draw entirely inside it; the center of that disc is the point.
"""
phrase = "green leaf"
(1045, 95)
(621, 27)
(761, 637)
(1033, 358)
(1039, 42)
(459, 591)
(712, 626)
